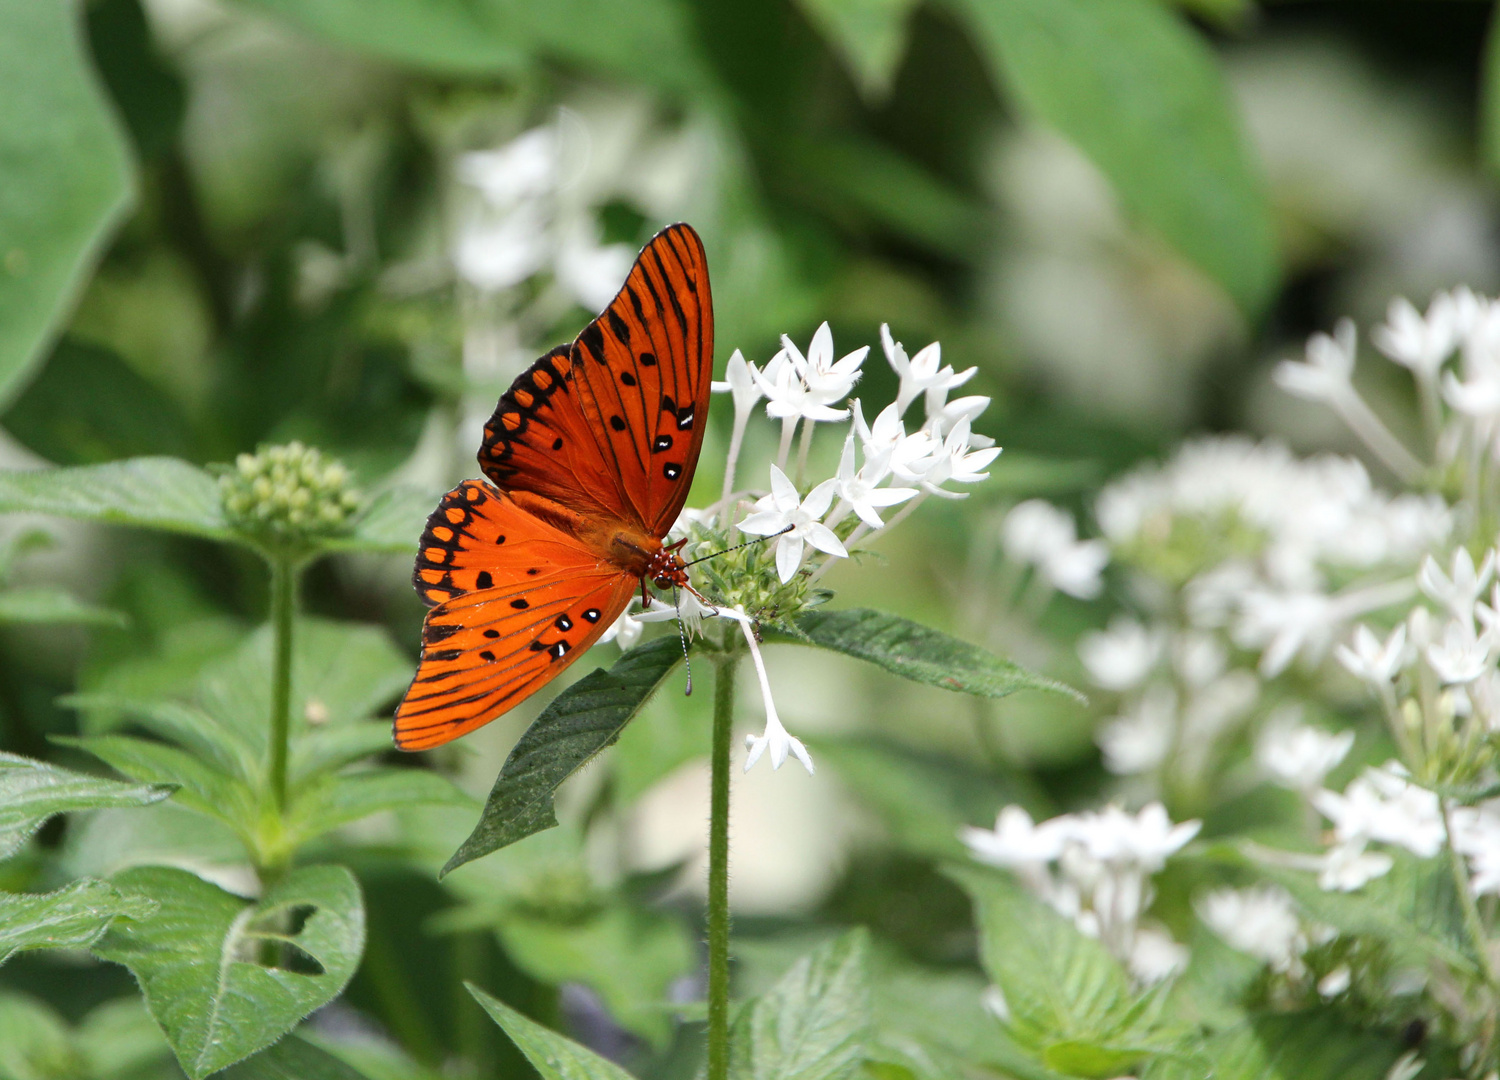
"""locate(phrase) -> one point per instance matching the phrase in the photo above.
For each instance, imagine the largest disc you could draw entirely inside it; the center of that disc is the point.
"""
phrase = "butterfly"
(591, 453)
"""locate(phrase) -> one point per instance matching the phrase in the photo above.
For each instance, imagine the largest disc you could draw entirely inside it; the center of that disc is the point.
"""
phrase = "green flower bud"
(288, 496)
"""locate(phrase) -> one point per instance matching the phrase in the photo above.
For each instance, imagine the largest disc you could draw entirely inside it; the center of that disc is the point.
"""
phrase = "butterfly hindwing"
(516, 601)
(615, 424)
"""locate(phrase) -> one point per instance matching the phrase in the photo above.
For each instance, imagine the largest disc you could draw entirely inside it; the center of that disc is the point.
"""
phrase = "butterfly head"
(667, 570)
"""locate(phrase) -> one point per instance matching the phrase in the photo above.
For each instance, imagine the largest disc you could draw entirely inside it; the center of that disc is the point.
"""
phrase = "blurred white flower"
(1476, 836)
(1335, 982)
(799, 521)
(1077, 568)
(689, 610)
(1120, 657)
(495, 254)
(1382, 804)
(523, 168)
(1198, 657)
(1327, 369)
(1417, 342)
(921, 374)
(1367, 658)
(1144, 840)
(1034, 529)
(1300, 757)
(1155, 956)
(1016, 841)
(624, 631)
(591, 271)
(1459, 589)
(1461, 656)
(1348, 867)
(1260, 922)
(1139, 740)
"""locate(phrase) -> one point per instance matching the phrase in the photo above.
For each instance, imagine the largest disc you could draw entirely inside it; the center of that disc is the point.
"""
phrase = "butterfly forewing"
(615, 425)
(516, 601)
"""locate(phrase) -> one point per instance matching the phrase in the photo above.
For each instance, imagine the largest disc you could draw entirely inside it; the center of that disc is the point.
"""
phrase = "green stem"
(718, 869)
(283, 605)
(1472, 923)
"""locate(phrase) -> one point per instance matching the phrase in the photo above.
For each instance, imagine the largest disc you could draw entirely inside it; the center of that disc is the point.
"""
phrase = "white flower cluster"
(1095, 868)
(881, 466)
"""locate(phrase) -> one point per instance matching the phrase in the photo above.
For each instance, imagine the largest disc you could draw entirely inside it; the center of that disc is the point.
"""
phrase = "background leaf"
(293, 1059)
(70, 918)
(1140, 94)
(919, 653)
(31, 792)
(44, 604)
(581, 721)
(197, 959)
(151, 493)
(555, 1057)
(869, 35)
(813, 1024)
(68, 177)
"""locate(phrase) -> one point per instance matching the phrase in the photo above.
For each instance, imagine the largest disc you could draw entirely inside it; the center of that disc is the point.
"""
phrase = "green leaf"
(71, 918)
(334, 801)
(1141, 94)
(580, 722)
(326, 748)
(1069, 999)
(119, 1041)
(629, 957)
(293, 1059)
(1313, 1045)
(814, 1023)
(33, 1040)
(868, 35)
(214, 743)
(200, 786)
(553, 1055)
(68, 177)
(32, 791)
(199, 958)
(918, 653)
(392, 522)
(152, 493)
(43, 604)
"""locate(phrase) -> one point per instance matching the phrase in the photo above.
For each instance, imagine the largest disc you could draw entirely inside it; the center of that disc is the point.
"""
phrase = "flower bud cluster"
(288, 494)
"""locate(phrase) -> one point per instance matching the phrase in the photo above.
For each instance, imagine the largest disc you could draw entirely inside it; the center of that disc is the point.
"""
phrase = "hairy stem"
(283, 604)
(718, 868)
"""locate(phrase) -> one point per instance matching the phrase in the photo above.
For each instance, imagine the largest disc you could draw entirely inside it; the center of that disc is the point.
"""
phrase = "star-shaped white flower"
(739, 382)
(624, 631)
(1348, 867)
(921, 374)
(1299, 757)
(1459, 589)
(775, 737)
(1370, 659)
(799, 521)
(1329, 366)
(1015, 841)
(689, 610)
(828, 381)
(1419, 342)
(861, 489)
(957, 463)
(1461, 656)
(788, 395)
(1121, 656)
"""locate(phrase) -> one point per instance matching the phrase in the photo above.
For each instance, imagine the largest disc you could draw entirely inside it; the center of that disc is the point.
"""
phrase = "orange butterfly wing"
(611, 428)
(515, 601)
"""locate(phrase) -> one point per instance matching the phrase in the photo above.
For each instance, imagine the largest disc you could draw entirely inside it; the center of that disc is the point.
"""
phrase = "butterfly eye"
(664, 582)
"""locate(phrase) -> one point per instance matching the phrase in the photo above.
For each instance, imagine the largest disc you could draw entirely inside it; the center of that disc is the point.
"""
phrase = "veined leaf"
(581, 721)
(332, 801)
(193, 728)
(1312, 1045)
(44, 604)
(32, 791)
(200, 958)
(324, 749)
(1139, 93)
(392, 522)
(70, 918)
(554, 1056)
(68, 177)
(813, 1024)
(919, 653)
(1069, 999)
(868, 35)
(201, 787)
(293, 1059)
(151, 492)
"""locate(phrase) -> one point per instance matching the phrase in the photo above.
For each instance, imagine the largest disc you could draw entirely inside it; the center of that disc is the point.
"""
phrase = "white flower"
(689, 610)
(1462, 656)
(1348, 867)
(1479, 397)
(799, 521)
(885, 435)
(921, 374)
(591, 271)
(1155, 956)
(1259, 922)
(1335, 982)
(1015, 841)
(788, 396)
(1299, 757)
(524, 168)
(1034, 529)
(1120, 657)
(1371, 660)
(861, 489)
(1077, 568)
(1140, 740)
(624, 631)
(828, 381)
(1199, 657)
(965, 408)
(1283, 624)
(1421, 344)
(1382, 804)
(1144, 840)
(494, 255)
(1458, 590)
(740, 383)
(1476, 836)
(1326, 372)
(954, 460)
(775, 737)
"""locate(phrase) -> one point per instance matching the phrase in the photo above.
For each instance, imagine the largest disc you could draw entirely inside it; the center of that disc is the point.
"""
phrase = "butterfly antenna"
(682, 636)
(747, 543)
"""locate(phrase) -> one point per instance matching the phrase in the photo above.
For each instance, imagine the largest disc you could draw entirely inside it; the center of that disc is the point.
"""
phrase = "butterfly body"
(591, 453)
